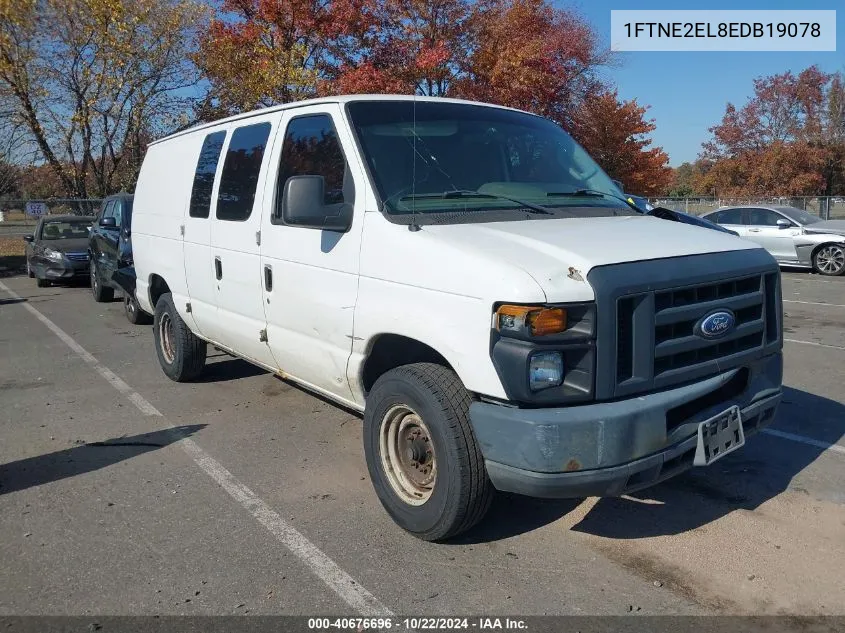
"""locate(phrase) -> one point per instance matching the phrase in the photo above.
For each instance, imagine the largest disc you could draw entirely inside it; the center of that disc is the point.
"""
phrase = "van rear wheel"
(422, 455)
(180, 352)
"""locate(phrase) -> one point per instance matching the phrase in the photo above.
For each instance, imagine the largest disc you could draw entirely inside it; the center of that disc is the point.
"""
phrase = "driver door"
(778, 240)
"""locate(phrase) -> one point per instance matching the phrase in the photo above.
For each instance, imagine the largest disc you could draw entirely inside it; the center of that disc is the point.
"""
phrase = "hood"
(826, 226)
(79, 245)
(556, 252)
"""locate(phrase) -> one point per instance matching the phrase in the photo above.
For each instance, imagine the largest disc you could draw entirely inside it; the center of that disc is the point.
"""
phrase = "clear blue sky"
(688, 92)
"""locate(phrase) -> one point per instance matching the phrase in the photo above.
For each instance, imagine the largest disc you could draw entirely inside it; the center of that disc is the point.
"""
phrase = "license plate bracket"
(718, 436)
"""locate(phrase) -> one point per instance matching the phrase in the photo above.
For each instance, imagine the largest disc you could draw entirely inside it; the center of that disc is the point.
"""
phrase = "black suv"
(110, 248)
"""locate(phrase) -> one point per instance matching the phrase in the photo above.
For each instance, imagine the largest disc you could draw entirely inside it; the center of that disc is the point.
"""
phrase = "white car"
(793, 236)
(467, 277)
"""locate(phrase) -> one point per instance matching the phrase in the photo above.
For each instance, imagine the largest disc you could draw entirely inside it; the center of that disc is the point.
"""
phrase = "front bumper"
(612, 448)
(55, 271)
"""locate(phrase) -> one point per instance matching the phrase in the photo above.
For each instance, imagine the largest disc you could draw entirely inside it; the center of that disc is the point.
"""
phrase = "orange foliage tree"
(526, 54)
(788, 140)
(616, 134)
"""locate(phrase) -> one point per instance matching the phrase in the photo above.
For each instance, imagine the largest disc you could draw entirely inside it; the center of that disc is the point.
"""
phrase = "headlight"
(536, 320)
(49, 253)
(545, 369)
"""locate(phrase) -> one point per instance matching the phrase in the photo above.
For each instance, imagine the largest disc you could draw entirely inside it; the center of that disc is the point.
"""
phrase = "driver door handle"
(753, 230)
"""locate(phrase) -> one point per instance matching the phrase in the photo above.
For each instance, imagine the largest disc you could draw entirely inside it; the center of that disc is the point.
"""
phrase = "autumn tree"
(616, 135)
(411, 47)
(788, 140)
(532, 55)
(263, 52)
(94, 80)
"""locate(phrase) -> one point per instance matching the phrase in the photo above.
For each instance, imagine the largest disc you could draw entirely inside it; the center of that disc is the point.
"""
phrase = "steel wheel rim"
(165, 335)
(407, 455)
(129, 305)
(831, 259)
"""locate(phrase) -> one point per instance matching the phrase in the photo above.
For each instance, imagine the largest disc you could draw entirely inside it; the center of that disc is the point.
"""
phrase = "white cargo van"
(467, 277)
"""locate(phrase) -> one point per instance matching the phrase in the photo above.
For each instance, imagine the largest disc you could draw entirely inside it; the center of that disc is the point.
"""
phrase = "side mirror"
(108, 223)
(619, 184)
(784, 224)
(29, 238)
(303, 205)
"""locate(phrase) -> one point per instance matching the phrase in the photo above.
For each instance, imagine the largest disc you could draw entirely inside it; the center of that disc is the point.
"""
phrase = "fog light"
(545, 369)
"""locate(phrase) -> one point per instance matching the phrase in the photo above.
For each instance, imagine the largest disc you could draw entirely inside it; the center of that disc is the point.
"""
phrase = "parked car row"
(98, 248)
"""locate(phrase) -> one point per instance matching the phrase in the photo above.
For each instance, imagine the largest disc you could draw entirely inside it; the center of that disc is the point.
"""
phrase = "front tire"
(29, 272)
(422, 455)
(102, 294)
(133, 311)
(180, 352)
(829, 259)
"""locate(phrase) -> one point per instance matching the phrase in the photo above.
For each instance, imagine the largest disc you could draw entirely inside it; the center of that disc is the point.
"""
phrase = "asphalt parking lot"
(122, 492)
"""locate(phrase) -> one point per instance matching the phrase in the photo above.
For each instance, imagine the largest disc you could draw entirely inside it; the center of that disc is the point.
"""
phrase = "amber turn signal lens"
(541, 321)
(547, 321)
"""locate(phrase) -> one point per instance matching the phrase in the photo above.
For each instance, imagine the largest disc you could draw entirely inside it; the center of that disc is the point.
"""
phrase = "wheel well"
(816, 249)
(158, 286)
(393, 350)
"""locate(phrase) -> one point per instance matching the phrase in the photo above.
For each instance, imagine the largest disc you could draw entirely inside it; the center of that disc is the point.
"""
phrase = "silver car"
(794, 237)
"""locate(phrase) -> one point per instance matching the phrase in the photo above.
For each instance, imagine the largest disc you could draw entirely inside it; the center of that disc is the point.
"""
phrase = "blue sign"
(717, 324)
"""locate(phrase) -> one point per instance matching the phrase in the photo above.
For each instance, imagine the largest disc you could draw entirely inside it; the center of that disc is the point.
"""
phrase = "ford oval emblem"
(717, 324)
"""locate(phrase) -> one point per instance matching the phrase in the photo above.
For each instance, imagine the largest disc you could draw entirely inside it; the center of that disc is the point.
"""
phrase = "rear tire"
(42, 283)
(102, 294)
(180, 352)
(133, 311)
(829, 259)
(422, 455)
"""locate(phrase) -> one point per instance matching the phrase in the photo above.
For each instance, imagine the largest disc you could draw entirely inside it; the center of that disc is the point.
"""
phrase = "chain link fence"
(827, 208)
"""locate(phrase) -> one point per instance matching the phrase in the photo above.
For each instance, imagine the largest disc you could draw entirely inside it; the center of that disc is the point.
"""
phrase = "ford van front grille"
(661, 329)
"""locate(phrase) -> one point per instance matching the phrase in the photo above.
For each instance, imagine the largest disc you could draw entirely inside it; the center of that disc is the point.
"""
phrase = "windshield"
(65, 229)
(418, 152)
(800, 216)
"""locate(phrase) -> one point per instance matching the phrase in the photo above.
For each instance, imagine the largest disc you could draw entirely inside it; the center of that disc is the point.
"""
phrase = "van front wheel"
(181, 353)
(423, 458)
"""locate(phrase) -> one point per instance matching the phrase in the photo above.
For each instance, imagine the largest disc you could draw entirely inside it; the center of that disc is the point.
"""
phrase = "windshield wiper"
(591, 193)
(466, 193)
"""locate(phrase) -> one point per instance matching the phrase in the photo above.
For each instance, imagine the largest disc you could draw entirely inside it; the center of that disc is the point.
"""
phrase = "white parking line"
(806, 440)
(349, 590)
(813, 343)
(815, 303)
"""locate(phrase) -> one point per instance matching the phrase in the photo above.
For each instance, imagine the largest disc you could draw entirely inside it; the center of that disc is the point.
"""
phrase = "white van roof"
(335, 99)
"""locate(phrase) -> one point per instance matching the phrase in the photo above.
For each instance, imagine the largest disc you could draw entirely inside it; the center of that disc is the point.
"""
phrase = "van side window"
(311, 148)
(240, 172)
(204, 176)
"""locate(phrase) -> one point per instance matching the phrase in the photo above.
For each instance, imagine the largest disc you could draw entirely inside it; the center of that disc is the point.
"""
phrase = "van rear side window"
(204, 176)
(240, 172)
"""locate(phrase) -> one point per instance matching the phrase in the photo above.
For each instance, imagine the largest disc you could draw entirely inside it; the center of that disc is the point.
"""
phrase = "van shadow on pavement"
(759, 471)
(85, 458)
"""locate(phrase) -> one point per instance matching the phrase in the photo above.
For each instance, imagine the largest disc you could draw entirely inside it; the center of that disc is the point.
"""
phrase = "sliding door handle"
(218, 268)
(268, 278)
